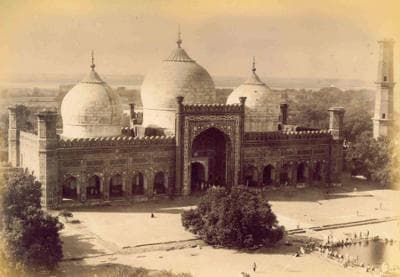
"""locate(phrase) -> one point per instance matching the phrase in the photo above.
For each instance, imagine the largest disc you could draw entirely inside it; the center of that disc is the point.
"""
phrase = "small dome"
(91, 109)
(178, 75)
(262, 104)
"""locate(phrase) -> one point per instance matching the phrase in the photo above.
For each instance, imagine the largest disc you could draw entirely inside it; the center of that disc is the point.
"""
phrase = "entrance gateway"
(208, 149)
(211, 151)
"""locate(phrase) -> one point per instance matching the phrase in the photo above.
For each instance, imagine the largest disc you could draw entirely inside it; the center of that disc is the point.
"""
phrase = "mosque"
(182, 142)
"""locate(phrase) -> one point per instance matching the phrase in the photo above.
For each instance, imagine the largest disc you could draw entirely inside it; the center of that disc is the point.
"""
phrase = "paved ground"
(114, 234)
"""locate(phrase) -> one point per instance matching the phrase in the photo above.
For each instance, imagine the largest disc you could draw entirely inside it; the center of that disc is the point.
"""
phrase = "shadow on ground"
(78, 246)
(289, 245)
(79, 269)
(290, 193)
(165, 206)
(349, 186)
(311, 194)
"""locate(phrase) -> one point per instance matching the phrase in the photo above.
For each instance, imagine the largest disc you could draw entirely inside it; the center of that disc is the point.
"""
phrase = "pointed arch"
(116, 186)
(138, 184)
(268, 175)
(70, 188)
(301, 172)
(159, 183)
(93, 186)
(251, 176)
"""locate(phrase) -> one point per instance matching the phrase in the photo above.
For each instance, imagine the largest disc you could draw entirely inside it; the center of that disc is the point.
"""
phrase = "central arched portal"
(214, 147)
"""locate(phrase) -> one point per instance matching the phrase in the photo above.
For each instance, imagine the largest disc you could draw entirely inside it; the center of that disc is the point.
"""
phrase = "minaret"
(383, 116)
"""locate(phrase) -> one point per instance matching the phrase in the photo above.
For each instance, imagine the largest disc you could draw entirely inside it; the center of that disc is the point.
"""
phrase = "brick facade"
(92, 171)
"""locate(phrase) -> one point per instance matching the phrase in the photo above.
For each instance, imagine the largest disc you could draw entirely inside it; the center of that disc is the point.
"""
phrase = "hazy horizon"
(48, 81)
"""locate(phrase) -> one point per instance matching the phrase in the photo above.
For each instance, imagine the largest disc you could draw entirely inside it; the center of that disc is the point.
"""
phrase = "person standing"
(254, 266)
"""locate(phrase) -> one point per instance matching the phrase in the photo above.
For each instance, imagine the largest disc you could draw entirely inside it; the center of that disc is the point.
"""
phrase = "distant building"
(182, 143)
(384, 104)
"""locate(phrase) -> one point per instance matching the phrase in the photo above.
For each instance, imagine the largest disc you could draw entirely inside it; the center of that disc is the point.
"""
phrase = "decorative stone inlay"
(227, 124)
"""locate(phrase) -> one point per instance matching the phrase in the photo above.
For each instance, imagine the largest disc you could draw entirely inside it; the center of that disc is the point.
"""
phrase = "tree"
(237, 218)
(34, 242)
(376, 159)
(309, 108)
(31, 236)
(20, 196)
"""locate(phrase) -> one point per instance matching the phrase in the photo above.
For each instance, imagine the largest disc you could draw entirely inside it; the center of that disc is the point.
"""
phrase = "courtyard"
(129, 235)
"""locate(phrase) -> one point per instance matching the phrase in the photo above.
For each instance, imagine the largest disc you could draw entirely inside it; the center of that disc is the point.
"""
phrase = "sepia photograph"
(188, 138)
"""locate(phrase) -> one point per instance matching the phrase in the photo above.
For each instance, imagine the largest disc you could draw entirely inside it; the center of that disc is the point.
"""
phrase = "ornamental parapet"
(212, 108)
(278, 135)
(116, 141)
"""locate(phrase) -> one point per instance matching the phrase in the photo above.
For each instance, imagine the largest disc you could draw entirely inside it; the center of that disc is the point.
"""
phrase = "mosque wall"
(29, 151)
(295, 158)
(120, 168)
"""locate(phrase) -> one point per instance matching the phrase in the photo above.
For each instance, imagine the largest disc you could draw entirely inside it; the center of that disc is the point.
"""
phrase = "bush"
(31, 236)
(19, 197)
(34, 242)
(237, 218)
(376, 159)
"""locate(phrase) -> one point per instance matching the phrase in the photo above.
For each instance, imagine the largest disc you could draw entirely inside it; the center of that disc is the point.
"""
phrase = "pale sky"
(326, 39)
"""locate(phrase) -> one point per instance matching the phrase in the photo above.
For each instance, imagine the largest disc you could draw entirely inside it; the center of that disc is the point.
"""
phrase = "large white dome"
(262, 104)
(91, 109)
(178, 75)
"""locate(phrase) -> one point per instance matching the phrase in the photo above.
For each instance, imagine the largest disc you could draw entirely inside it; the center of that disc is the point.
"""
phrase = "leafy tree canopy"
(31, 236)
(376, 159)
(236, 218)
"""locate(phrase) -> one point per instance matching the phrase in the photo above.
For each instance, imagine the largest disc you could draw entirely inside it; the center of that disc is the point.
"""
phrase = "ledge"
(212, 108)
(116, 141)
(286, 135)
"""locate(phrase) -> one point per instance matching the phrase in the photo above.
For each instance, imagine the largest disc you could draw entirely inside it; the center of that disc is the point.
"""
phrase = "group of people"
(203, 186)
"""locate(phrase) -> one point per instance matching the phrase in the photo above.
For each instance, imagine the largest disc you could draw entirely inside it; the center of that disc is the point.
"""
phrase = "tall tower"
(383, 116)
(48, 159)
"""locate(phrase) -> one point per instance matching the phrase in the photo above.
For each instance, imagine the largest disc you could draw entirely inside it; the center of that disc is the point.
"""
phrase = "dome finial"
(254, 65)
(92, 66)
(179, 41)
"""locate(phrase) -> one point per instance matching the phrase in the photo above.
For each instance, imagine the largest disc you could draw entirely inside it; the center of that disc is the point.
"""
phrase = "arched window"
(317, 174)
(251, 176)
(93, 187)
(138, 184)
(301, 173)
(116, 186)
(70, 188)
(159, 183)
(268, 175)
(284, 175)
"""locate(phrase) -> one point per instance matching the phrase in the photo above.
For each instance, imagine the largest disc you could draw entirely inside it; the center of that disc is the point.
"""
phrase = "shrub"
(20, 195)
(34, 242)
(31, 236)
(376, 159)
(237, 218)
